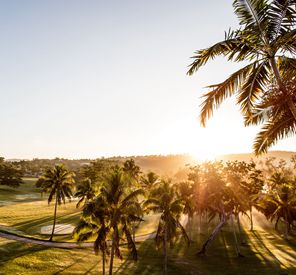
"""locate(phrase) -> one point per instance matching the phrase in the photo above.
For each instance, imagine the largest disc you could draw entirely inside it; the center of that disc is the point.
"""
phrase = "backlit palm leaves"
(112, 214)
(163, 200)
(265, 88)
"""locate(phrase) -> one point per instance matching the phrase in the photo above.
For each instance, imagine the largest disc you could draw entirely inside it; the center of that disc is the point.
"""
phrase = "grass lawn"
(265, 251)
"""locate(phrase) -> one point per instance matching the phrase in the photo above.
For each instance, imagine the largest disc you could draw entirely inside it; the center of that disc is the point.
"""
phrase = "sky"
(86, 79)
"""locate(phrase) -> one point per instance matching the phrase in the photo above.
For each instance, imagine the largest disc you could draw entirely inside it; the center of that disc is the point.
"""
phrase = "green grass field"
(265, 251)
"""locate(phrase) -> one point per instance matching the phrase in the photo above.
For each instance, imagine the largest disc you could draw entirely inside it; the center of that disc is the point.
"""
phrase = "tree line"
(114, 199)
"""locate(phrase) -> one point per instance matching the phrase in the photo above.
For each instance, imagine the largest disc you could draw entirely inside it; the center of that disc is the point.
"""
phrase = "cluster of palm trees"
(115, 202)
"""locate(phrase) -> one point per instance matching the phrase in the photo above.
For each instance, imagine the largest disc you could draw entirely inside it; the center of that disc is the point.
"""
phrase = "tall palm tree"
(280, 201)
(265, 88)
(163, 200)
(95, 224)
(58, 181)
(124, 209)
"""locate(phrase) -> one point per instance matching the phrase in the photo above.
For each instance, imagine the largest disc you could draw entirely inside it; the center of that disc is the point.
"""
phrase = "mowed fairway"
(265, 251)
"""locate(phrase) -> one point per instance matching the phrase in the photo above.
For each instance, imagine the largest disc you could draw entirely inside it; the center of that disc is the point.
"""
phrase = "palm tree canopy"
(85, 191)
(265, 89)
(58, 181)
(164, 200)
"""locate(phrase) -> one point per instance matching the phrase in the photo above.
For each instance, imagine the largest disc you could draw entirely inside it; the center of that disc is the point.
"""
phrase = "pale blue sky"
(103, 78)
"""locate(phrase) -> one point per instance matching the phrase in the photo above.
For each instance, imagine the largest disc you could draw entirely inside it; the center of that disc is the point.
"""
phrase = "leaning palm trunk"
(54, 218)
(112, 257)
(213, 235)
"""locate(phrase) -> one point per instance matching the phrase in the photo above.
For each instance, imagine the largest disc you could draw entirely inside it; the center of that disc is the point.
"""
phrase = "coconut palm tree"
(215, 198)
(58, 182)
(265, 88)
(85, 191)
(95, 224)
(124, 209)
(163, 200)
(133, 170)
(149, 180)
(186, 193)
(280, 201)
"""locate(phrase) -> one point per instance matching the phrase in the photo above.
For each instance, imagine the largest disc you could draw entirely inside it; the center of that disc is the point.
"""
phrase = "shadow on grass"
(13, 250)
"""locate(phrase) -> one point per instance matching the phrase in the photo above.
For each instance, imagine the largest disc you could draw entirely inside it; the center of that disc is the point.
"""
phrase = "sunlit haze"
(85, 79)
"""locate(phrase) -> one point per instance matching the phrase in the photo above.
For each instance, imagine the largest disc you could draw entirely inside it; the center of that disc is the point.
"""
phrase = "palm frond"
(223, 48)
(253, 87)
(281, 17)
(250, 12)
(281, 126)
(221, 91)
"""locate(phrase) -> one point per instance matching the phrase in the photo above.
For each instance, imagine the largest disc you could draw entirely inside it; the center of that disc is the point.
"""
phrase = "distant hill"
(285, 155)
(163, 165)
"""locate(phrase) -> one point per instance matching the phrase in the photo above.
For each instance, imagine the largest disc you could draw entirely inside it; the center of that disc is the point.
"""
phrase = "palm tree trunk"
(286, 226)
(165, 252)
(278, 78)
(239, 230)
(134, 232)
(112, 257)
(276, 223)
(104, 260)
(213, 235)
(235, 237)
(189, 226)
(251, 217)
(54, 217)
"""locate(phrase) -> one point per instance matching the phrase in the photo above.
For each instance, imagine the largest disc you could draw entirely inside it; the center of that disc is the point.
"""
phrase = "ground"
(265, 251)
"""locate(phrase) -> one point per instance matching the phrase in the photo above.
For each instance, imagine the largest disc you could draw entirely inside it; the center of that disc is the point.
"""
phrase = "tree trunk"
(276, 224)
(251, 217)
(235, 238)
(104, 260)
(189, 227)
(241, 241)
(111, 258)
(286, 226)
(278, 78)
(165, 252)
(199, 222)
(134, 232)
(54, 217)
(213, 235)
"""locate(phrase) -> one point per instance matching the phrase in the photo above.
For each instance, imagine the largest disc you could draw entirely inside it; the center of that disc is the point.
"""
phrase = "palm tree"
(216, 197)
(187, 195)
(133, 170)
(163, 200)
(265, 88)
(149, 180)
(280, 202)
(124, 209)
(85, 191)
(58, 181)
(95, 224)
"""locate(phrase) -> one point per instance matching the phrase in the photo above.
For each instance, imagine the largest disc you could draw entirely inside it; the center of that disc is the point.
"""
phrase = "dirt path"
(11, 236)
